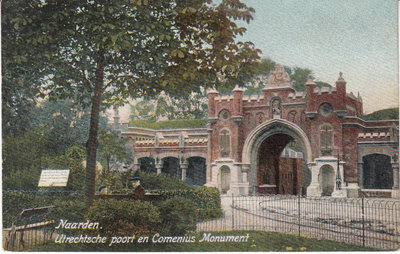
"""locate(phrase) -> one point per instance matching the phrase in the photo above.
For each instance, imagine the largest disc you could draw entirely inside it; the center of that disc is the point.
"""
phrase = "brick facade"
(247, 133)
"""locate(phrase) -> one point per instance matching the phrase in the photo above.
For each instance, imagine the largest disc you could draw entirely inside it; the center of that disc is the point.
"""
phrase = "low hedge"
(151, 181)
(178, 216)
(125, 217)
(206, 199)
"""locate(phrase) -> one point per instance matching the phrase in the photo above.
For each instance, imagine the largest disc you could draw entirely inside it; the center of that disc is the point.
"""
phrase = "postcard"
(200, 125)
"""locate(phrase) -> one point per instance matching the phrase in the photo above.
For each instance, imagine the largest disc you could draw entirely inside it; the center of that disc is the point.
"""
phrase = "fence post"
(298, 207)
(233, 213)
(363, 220)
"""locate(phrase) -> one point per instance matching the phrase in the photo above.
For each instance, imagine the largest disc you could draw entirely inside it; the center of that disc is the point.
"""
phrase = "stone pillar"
(245, 172)
(184, 167)
(361, 175)
(396, 181)
(245, 180)
(159, 167)
(314, 190)
(136, 164)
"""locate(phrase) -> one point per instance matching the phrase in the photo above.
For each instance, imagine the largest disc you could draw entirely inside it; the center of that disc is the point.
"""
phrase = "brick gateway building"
(283, 141)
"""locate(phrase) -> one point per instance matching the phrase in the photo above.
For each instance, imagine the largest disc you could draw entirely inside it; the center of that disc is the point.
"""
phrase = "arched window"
(326, 140)
(292, 116)
(225, 143)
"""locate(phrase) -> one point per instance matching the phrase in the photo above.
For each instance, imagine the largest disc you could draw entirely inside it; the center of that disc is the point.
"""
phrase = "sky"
(358, 38)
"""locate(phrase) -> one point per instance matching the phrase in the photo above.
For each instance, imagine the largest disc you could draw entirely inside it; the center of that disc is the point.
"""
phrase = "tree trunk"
(92, 143)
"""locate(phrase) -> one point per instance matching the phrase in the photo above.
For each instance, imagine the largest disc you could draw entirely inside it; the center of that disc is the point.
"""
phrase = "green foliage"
(112, 148)
(169, 124)
(72, 209)
(125, 217)
(194, 106)
(72, 160)
(151, 181)
(206, 199)
(298, 76)
(54, 127)
(22, 153)
(26, 179)
(116, 182)
(384, 114)
(14, 202)
(140, 48)
(178, 216)
(208, 202)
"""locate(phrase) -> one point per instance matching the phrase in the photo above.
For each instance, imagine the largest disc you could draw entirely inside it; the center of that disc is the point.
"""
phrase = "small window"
(225, 143)
(326, 140)
(224, 114)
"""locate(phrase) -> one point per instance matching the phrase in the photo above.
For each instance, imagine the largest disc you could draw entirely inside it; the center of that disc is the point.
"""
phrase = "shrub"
(73, 210)
(151, 181)
(125, 217)
(178, 216)
(207, 200)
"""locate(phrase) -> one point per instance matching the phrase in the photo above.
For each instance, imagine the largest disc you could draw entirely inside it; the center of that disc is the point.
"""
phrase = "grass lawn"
(257, 241)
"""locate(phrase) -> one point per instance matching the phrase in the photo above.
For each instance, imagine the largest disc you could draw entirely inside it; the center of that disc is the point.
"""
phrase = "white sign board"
(54, 178)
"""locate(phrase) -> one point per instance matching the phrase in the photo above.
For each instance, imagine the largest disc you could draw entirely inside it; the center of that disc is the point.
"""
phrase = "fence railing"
(28, 236)
(359, 221)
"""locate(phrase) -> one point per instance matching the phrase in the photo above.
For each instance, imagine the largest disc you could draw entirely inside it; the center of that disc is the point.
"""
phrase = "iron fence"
(360, 221)
(370, 222)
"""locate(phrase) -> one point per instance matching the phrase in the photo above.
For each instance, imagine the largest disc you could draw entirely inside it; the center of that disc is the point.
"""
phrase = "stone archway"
(170, 167)
(256, 139)
(147, 164)
(377, 171)
(196, 170)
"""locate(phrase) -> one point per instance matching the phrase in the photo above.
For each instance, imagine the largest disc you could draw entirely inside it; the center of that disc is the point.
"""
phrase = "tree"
(194, 106)
(298, 76)
(19, 80)
(101, 52)
(112, 147)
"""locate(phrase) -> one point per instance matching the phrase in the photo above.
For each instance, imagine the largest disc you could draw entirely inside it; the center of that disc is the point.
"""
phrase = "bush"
(73, 210)
(178, 216)
(207, 200)
(125, 217)
(151, 181)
